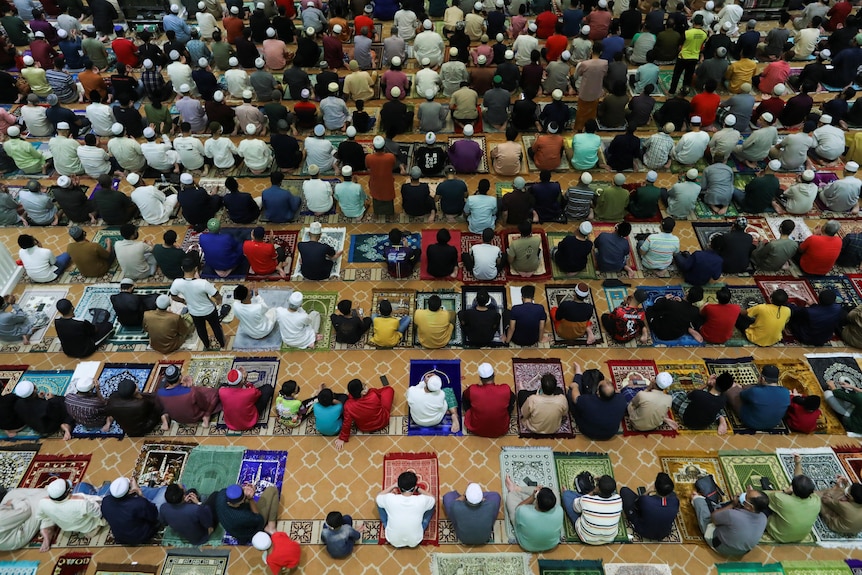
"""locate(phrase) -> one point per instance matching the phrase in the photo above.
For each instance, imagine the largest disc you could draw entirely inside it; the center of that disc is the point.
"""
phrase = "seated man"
(818, 323)
(536, 517)
(44, 412)
(596, 406)
(472, 514)
(318, 258)
(78, 337)
(760, 406)
(183, 512)
(841, 507)
(367, 407)
(526, 320)
(628, 320)
(480, 323)
(596, 514)
(63, 510)
(484, 260)
(652, 514)
(405, 510)
(130, 307)
(736, 529)
(264, 257)
(256, 320)
(434, 326)
(400, 258)
(487, 405)
(185, 402)
(573, 253)
(700, 408)
(134, 256)
(221, 252)
(429, 402)
(525, 253)
(573, 317)
(243, 403)
(168, 331)
(19, 520)
(339, 535)
(242, 516)
(16, 324)
(298, 328)
(132, 516)
(135, 412)
(657, 250)
(819, 252)
(794, 510)
(672, 317)
(543, 410)
(348, 323)
(648, 409)
(87, 406)
(387, 330)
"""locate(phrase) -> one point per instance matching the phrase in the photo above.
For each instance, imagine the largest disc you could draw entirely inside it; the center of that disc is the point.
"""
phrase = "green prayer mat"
(677, 168)
(570, 567)
(704, 212)
(323, 302)
(480, 564)
(815, 568)
(748, 569)
(588, 273)
(568, 466)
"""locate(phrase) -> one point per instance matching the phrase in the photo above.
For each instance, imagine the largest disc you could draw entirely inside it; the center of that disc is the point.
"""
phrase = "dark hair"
(827, 297)
(395, 236)
(759, 502)
(607, 485)
(809, 403)
(723, 295)
(189, 264)
(354, 388)
(26, 241)
(511, 132)
(803, 486)
(240, 292)
(95, 96)
(384, 307)
(549, 384)
(724, 381)
(216, 35)
(443, 236)
(525, 228)
(64, 306)
(856, 492)
(128, 231)
(483, 298)
(695, 294)
(779, 297)
(174, 494)
(545, 176)
(170, 237)
(624, 229)
(334, 519)
(325, 397)
(434, 302)
(488, 235)
(663, 484)
(407, 481)
(528, 292)
(288, 388)
(276, 178)
(90, 139)
(546, 499)
(591, 127)
(483, 187)
(344, 306)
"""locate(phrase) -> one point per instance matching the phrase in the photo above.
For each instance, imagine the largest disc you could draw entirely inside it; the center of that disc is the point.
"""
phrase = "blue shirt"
(190, 521)
(178, 25)
(279, 205)
(612, 252)
(70, 50)
(572, 21)
(339, 542)
(700, 267)
(327, 419)
(482, 212)
(653, 516)
(611, 45)
(133, 519)
(527, 317)
(221, 251)
(763, 406)
(597, 418)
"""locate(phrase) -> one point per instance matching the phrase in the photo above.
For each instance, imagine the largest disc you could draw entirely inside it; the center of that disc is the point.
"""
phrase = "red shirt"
(381, 182)
(284, 553)
(233, 28)
(546, 22)
(719, 320)
(240, 413)
(801, 421)
(261, 256)
(837, 15)
(363, 21)
(289, 8)
(126, 51)
(488, 415)
(819, 254)
(555, 46)
(705, 105)
(370, 412)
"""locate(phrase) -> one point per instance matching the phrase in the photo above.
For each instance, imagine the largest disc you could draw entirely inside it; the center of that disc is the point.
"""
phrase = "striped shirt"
(599, 520)
(579, 200)
(658, 250)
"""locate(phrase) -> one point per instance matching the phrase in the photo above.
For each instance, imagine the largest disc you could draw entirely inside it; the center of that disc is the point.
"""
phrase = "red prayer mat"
(72, 564)
(850, 457)
(429, 237)
(469, 240)
(636, 373)
(9, 377)
(46, 468)
(425, 467)
(286, 239)
(544, 271)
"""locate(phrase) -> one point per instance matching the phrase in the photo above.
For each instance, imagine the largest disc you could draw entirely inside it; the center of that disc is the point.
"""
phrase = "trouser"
(685, 68)
(267, 504)
(514, 499)
(403, 322)
(426, 517)
(103, 331)
(155, 495)
(586, 111)
(201, 327)
(62, 262)
(630, 502)
(839, 406)
(701, 510)
(568, 498)
(266, 393)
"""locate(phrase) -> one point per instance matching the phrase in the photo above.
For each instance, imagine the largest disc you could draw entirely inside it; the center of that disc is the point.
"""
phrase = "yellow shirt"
(769, 322)
(738, 73)
(694, 39)
(433, 328)
(386, 332)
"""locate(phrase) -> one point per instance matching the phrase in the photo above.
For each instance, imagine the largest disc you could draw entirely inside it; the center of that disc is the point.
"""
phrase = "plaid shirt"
(657, 150)
(851, 250)
(152, 80)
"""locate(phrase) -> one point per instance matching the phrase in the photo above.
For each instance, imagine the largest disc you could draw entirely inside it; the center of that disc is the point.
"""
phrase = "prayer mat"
(687, 377)
(53, 382)
(210, 370)
(498, 302)
(469, 240)
(450, 372)
(570, 567)
(369, 248)
(333, 237)
(451, 301)
(40, 305)
(654, 293)
(633, 262)
(196, 562)
(18, 567)
(841, 285)
(10, 375)
(14, 465)
(46, 468)
(850, 457)
(588, 273)
(556, 294)
(704, 212)
(744, 373)
(543, 272)
(259, 371)
(114, 273)
(242, 342)
(628, 376)
(568, 466)
(800, 233)
(114, 373)
(159, 372)
(815, 568)
(642, 230)
(527, 375)
(425, 467)
(480, 563)
(323, 302)
(842, 368)
(615, 296)
(97, 297)
(528, 140)
(855, 566)
(72, 564)
(135, 338)
(743, 296)
(262, 468)
(160, 464)
(429, 237)
(403, 304)
(684, 468)
(796, 377)
(528, 467)
(637, 569)
(856, 280)
(822, 466)
(677, 168)
(798, 290)
(125, 569)
(705, 231)
(483, 163)
(286, 239)
(748, 569)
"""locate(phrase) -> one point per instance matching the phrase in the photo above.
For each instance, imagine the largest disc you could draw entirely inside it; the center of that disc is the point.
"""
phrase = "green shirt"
(854, 421)
(759, 193)
(694, 39)
(222, 51)
(169, 260)
(644, 202)
(16, 29)
(8, 210)
(773, 255)
(95, 51)
(536, 530)
(611, 204)
(585, 151)
(792, 518)
(26, 157)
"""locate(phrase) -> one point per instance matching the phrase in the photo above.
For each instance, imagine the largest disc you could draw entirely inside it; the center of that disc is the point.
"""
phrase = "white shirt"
(318, 195)
(128, 153)
(256, 153)
(39, 264)
(406, 22)
(191, 151)
(206, 24)
(830, 142)
(180, 74)
(37, 122)
(404, 527)
(65, 153)
(427, 79)
(426, 409)
(319, 151)
(101, 117)
(221, 151)
(429, 44)
(255, 319)
(130, 256)
(295, 328)
(151, 203)
(156, 155)
(523, 47)
(95, 160)
(690, 147)
(237, 81)
(18, 517)
(197, 293)
(485, 261)
(78, 514)
(730, 13)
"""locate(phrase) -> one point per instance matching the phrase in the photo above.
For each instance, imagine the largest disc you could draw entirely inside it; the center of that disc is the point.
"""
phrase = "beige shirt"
(475, 26)
(18, 517)
(507, 158)
(79, 513)
(648, 409)
(358, 85)
(544, 413)
(464, 103)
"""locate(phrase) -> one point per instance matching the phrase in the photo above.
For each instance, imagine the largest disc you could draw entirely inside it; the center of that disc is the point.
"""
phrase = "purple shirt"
(465, 156)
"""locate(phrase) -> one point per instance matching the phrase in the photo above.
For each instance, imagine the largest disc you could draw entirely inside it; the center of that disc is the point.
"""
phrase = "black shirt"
(130, 119)
(115, 207)
(315, 262)
(241, 207)
(554, 111)
(207, 84)
(196, 205)
(574, 311)
(307, 52)
(452, 194)
(258, 22)
(246, 52)
(630, 23)
(715, 42)
(524, 114)
(479, 327)
(735, 251)
(136, 416)
(394, 114)
(670, 319)
(796, 109)
(653, 516)
(622, 152)
(518, 205)
(295, 79)
(703, 409)
(286, 150)
(77, 337)
(349, 329)
(124, 86)
(170, 260)
(675, 110)
(74, 202)
(223, 114)
(43, 415)
(599, 419)
(57, 114)
(510, 75)
(572, 254)
(351, 153)
(548, 197)
(431, 160)
(442, 259)
(416, 199)
(130, 307)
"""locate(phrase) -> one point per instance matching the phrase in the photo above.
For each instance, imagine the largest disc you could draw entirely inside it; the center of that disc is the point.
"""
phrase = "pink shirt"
(240, 413)
(775, 73)
(6, 120)
(273, 54)
(518, 24)
(394, 78)
(482, 50)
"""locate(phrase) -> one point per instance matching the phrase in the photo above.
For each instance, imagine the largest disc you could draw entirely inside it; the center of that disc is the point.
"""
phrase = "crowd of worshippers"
(592, 504)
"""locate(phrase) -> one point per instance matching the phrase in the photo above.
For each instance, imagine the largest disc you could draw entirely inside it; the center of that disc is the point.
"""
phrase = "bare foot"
(67, 431)
(166, 426)
(107, 427)
(25, 339)
(205, 421)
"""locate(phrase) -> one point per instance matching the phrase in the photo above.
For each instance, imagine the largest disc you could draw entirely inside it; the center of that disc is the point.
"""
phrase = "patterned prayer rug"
(688, 376)
(259, 371)
(161, 464)
(795, 376)
(135, 338)
(748, 569)
(543, 272)
(498, 302)
(262, 468)
(654, 293)
(159, 372)
(822, 466)
(114, 273)
(451, 301)
(14, 465)
(588, 273)
(429, 237)
(469, 240)
(704, 212)
(527, 466)
(209, 370)
(705, 231)
(637, 569)
(855, 566)
(425, 467)
(114, 373)
(641, 231)
(18, 567)
(45, 468)
(403, 304)
(570, 567)
(483, 163)
(685, 468)
(285, 239)
(800, 233)
(841, 285)
(528, 375)
(528, 140)
(743, 296)
(333, 237)
(40, 304)
(615, 296)
(196, 563)
(815, 568)
(369, 248)
(627, 376)
(555, 294)
(744, 373)
(480, 563)
(96, 297)
(72, 564)
(841, 368)
(125, 569)
(568, 466)
(850, 457)
(54, 382)
(322, 302)
(10, 375)
(798, 290)
(449, 370)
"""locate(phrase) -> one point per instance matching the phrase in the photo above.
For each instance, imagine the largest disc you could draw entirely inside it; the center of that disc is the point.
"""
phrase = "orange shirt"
(233, 28)
(546, 151)
(381, 182)
(92, 81)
